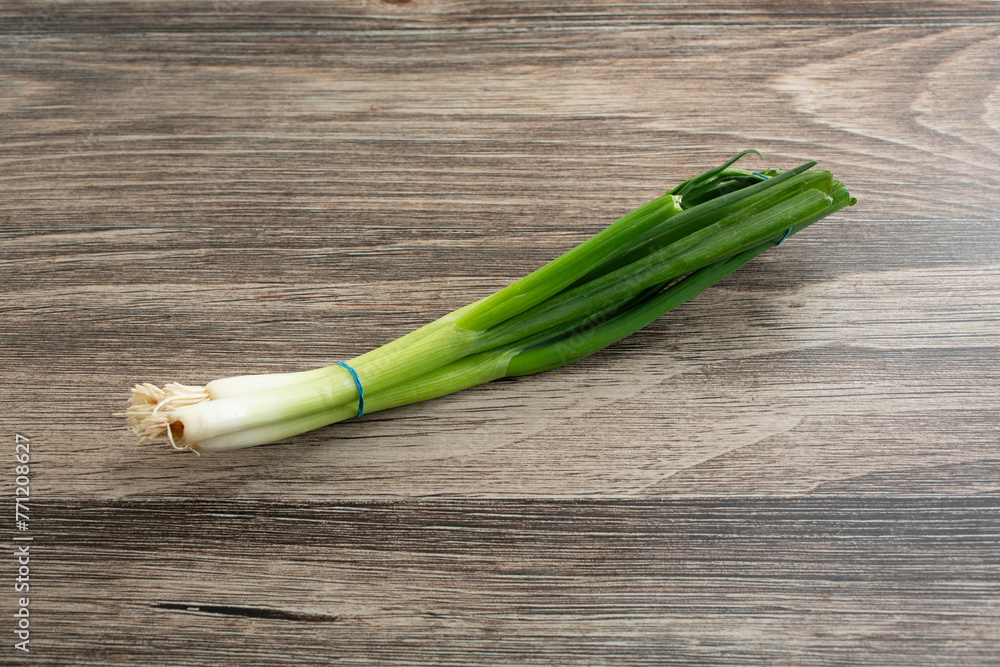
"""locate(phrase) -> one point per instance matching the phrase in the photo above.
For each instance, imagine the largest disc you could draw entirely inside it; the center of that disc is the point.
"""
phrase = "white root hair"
(149, 414)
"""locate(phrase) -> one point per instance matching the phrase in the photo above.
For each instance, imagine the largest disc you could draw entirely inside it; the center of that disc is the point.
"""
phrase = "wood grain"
(800, 466)
(810, 581)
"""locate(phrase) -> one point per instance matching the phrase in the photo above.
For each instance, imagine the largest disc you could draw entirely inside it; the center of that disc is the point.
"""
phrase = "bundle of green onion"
(645, 264)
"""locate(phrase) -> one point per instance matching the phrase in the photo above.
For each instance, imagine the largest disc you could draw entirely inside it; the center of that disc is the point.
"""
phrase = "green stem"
(723, 239)
(566, 269)
(749, 201)
(521, 358)
(568, 350)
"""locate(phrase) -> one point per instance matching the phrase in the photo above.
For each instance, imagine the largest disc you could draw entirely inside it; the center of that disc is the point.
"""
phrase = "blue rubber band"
(761, 175)
(361, 391)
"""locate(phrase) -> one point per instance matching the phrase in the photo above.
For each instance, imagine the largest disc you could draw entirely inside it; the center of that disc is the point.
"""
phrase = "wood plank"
(808, 581)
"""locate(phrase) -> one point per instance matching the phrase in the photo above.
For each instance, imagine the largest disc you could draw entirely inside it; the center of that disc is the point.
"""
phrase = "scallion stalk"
(645, 264)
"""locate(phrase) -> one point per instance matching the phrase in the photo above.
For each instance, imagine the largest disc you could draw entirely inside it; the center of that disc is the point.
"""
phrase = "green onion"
(640, 267)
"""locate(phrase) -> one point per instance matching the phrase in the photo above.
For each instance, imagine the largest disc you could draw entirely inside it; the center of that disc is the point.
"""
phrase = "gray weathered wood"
(805, 581)
(800, 466)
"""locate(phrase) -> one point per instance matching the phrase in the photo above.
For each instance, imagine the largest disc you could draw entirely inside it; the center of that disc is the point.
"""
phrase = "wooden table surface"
(798, 467)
